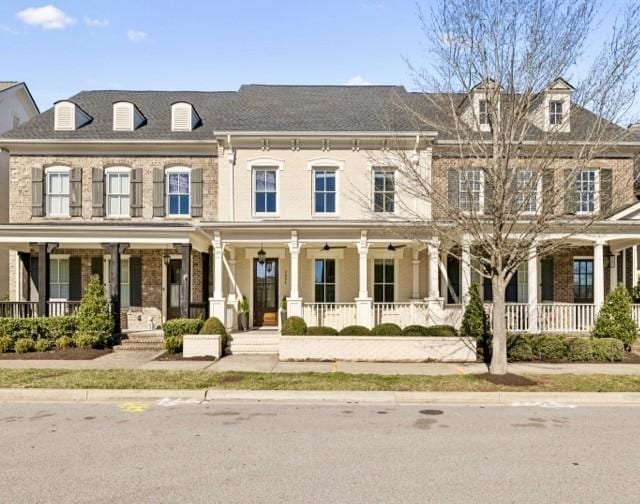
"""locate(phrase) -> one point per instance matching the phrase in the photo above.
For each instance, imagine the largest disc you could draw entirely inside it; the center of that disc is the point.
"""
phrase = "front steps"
(141, 340)
(258, 341)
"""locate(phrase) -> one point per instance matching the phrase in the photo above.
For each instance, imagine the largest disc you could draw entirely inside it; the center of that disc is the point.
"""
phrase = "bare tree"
(492, 65)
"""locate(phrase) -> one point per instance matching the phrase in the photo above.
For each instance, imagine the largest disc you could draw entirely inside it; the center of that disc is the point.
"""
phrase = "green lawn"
(137, 379)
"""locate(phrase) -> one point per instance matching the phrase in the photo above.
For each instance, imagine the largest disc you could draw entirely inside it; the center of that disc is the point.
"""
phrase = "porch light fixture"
(261, 255)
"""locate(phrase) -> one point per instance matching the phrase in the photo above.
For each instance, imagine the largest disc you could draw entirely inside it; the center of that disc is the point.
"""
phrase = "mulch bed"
(513, 380)
(178, 357)
(66, 354)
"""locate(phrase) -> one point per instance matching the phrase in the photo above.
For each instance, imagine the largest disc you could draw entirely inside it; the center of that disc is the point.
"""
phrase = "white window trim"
(174, 170)
(59, 257)
(313, 277)
(56, 170)
(480, 210)
(124, 170)
(372, 284)
(336, 170)
(261, 167)
(393, 170)
(596, 198)
(128, 105)
(65, 105)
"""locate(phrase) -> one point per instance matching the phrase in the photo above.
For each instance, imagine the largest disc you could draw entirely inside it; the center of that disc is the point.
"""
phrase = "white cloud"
(136, 36)
(357, 80)
(47, 17)
(96, 23)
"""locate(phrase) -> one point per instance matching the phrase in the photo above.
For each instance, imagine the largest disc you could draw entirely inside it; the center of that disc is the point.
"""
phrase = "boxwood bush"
(386, 330)
(42, 345)
(175, 329)
(549, 347)
(321, 331)
(294, 326)
(527, 347)
(441, 330)
(519, 348)
(579, 349)
(354, 330)
(213, 325)
(607, 349)
(415, 330)
(24, 345)
(49, 328)
(63, 342)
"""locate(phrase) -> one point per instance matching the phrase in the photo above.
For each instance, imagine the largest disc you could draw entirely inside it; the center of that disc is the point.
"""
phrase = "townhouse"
(186, 202)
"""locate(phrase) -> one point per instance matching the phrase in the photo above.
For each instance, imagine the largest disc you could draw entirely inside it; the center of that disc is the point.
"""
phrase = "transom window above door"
(57, 191)
(265, 182)
(118, 192)
(324, 191)
(178, 193)
(383, 191)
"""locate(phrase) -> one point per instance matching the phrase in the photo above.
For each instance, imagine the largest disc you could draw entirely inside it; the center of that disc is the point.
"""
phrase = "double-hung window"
(383, 281)
(178, 193)
(59, 278)
(526, 197)
(265, 190)
(470, 190)
(125, 286)
(483, 112)
(324, 191)
(58, 192)
(555, 113)
(118, 192)
(383, 191)
(586, 191)
(325, 281)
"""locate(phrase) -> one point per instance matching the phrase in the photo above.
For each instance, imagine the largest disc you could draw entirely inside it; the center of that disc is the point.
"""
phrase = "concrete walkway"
(271, 364)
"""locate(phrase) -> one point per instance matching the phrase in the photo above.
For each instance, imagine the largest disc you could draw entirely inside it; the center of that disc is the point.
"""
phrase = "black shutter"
(196, 192)
(37, 191)
(571, 193)
(453, 274)
(606, 190)
(75, 189)
(34, 291)
(97, 192)
(511, 292)
(136, 192)
(75, 278)
(158, 193)
(453, 188)
(135, 281)
(97, 267)
(487, 290)
(546, 266)
(548, 194)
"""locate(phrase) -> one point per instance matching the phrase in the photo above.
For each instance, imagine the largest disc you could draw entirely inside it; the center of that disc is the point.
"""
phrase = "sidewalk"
(271, 364)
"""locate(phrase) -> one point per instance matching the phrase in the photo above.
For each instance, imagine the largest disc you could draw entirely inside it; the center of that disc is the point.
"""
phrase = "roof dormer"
(126, 116)
(68, 116)
(485, 102)
(183, 117)
(556, 106)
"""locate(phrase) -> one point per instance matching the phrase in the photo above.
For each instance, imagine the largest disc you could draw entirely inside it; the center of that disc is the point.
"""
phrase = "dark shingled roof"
(261, 108)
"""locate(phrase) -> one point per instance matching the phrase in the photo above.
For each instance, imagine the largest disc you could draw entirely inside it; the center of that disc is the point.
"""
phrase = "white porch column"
(532, 289)
(294, 301)
(218, 303)
(613, 271)
(364, 304)
(415, 265)
(465, 267)
(434, 300)
(598, 274)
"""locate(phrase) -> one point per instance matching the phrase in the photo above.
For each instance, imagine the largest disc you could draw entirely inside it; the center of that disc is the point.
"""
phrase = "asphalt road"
(212, 452)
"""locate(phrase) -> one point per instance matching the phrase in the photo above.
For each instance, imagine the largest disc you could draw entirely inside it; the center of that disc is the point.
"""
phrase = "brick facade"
(563, 272)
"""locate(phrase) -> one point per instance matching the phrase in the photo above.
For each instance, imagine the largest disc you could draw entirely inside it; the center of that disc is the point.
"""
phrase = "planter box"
(378, 348)
(202, 345)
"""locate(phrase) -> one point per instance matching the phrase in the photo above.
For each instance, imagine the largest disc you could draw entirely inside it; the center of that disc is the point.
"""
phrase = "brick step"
(252, 349)
(255, 341)
(144, 339)
(136, 347)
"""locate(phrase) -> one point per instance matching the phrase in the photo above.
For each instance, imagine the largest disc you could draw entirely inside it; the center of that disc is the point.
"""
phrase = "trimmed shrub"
(615, 319)
(475, 322)
(415, 330)
(88, 340)
(63, 342)
(176, 328)
(42, 345)
(49, 328)
(294, 326)
(386, 330)
(6, 344)
(519, 348)
(56, 327)
(441, 330)
(94, 315)
(321, 331)
(354, 330)
(213, 325)
(549, 347)
(24, 345)
(607, 349)
(19, 328)
(580, 350)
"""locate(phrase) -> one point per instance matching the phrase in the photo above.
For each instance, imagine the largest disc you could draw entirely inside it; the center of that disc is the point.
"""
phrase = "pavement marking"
(459, 370)
(130, 407)
(167, 402)
(543, 404)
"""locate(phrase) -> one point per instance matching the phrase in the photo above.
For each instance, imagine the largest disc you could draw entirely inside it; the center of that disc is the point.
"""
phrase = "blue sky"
(72, 45)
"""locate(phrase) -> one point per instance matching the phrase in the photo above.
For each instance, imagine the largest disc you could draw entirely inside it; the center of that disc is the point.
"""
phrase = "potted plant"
(283, 311)
(243, 314)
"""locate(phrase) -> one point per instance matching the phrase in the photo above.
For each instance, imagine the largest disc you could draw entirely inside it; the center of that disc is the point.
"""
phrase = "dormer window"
(126, 116)
(68, 116)
(555, 113)
(183, 117)
(483, 112)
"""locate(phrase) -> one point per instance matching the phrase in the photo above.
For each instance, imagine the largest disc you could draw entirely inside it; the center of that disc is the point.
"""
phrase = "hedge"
(49, 328)
(175, 329)
(294, 326)
(386, 330)
(354, 330)
(213, 325)
(527, 347)
(321, 331)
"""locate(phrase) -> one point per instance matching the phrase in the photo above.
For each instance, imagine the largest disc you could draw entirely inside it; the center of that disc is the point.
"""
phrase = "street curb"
(325, 397)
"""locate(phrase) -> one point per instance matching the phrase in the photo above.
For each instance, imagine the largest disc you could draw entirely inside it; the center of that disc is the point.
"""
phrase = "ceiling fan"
(391, 247)
(326, 247)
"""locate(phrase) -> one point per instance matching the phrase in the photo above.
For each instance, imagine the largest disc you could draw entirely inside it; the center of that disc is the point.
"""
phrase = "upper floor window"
(483, 112)
(57, 190)
(265, 190)
(324, 192)
(383, 191)
(555, 112)
(383, 281)
(58, 278)
(586, 191)
(325, 281)
(178, 192)
(118, 192)
(471, 190)
(527, 192)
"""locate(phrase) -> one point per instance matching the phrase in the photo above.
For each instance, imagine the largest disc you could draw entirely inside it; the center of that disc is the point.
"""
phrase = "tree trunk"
(498, 364)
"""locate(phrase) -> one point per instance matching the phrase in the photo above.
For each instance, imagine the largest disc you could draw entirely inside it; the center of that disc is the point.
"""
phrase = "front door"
(174, 278)
(265, 292)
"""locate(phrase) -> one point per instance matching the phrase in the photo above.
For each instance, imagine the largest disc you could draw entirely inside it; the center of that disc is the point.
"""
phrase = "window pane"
(378, 181)
(319, 293)
(320, 203)
(330, 271)
(388, 271)
(174, 205)
(378, 202)
(260, 202)
(54, 184)
(388, 203)
(114, 205)
(319, 181)
(113, 185)
(184, 205)
(390, 186)
(378, 272)
(173, 183)
(270, 181)
(330, 181)
(124, 205)
(388, 293)
(63, 265)
(260, 185)
(378, 294)
(330, 202)
(53, 274)
(319, 277)
(271, 202)
(331, 294)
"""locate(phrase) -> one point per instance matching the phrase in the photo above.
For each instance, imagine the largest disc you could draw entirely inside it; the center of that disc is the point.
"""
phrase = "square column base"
(294, 307)
(218, 309)
(436, 311)
(364, 312)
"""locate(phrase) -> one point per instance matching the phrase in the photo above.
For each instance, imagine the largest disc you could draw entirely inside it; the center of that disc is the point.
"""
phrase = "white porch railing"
(402, 314)
(569, 317)
(336, 315)
(635, 312)
(516, 316)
